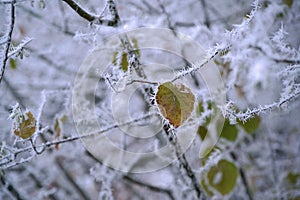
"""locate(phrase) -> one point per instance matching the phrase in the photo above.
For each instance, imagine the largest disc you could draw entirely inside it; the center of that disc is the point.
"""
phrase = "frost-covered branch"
(183, 162)
(9, 39)
(91, 17)
(197, 66)
(277, 59)
(18, 49)
(133, 57)
(230, 112)
(7, 161)
(11, 1)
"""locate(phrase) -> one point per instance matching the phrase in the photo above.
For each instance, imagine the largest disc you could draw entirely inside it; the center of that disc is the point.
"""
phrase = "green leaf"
(250, 125)
(293, 178)
(202, 131)
(229, 131)
(13, 63)
(124, 62)
(115, 57)
(136, 47)
(200, 110)
(206, 188)
(223, 176)
(175, 101)
(289, 3)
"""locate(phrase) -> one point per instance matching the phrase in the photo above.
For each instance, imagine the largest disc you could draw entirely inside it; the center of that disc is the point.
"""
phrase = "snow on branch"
(8, 159)
(279, 42)
(229, 110)
(223, 47)
(18, 49)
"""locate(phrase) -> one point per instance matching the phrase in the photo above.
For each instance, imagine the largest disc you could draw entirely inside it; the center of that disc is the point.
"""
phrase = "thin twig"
(182, 159)
(206, 16)
(278, 60)
(151, 187)
(84, 14)
(67, 174)
(69, 139)
(164, 11)
(142, 81)
(243, 177)
(46, 20)
(10, 188)
(9, 38)
(14, 92)
(12, 1)
(88, 16)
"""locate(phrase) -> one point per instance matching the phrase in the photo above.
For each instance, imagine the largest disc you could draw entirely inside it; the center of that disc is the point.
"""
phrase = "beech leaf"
(175, 101)
(26, 128)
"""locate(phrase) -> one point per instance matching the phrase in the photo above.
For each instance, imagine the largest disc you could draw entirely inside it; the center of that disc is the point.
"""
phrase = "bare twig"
(18, 97)
(9, 38)
(67, 174)
(278, 60)
(90, 17)
(243, 177)
(206, 16)
(151, 187)
(80, 11)
(11, 1)
(45, 20)
(164, 11)
(170, 132)
(10, 188)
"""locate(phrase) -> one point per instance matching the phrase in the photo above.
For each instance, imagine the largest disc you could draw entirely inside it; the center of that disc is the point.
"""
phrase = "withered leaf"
(176, 102)
(26, 128)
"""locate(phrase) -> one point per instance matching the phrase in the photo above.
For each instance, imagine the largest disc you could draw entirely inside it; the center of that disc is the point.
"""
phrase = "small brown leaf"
(57, 130)
(26, 128)
(175, 101)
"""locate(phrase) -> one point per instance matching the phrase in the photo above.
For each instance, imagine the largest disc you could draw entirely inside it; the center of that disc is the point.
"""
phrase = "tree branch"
(10, 188)
(80, 11)
(90, 17)
(9, 38)
(59, 162)
(244, 116)
(182, 159)
(206, 16)
(5, 161)
(151, 187)
(278, 60)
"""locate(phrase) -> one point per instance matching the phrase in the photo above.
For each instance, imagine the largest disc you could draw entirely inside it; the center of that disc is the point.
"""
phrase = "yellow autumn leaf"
(26, 128)
(57, 130)
(175, 101)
